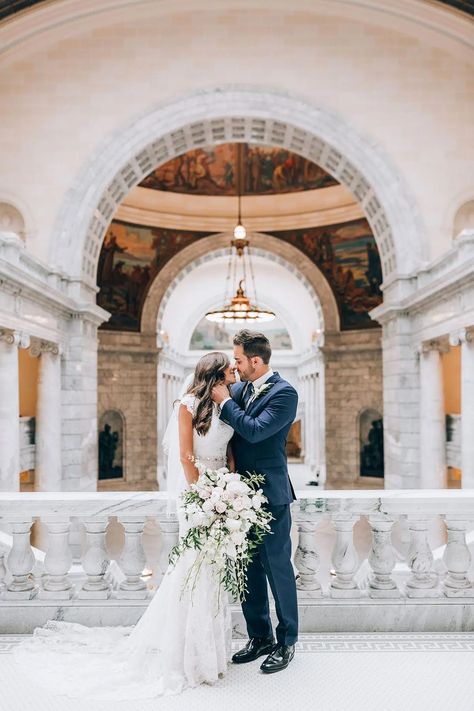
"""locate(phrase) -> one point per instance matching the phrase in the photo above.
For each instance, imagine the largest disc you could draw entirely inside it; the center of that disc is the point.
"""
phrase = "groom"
(261, 411)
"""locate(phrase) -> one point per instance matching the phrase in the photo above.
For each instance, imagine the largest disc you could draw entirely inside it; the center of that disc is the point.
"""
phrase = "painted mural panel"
(131, 257)
(218, 336)
(348, 257)
(214, 171)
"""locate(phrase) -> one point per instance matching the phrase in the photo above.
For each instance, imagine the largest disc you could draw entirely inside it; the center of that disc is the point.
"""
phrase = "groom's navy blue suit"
(259, 445)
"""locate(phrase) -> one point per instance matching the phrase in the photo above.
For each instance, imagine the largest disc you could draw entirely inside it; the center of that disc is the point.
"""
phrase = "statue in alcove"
(371, 456)
(108, 443)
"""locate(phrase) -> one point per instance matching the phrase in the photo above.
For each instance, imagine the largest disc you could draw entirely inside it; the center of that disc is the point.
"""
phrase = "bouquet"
(228, 522)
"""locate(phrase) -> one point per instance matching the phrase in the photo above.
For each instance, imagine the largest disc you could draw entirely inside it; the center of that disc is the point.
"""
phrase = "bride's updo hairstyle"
(209, 371)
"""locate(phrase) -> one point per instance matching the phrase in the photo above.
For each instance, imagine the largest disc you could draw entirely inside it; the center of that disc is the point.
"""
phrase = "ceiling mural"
(130, 258)
(218, 170)
(348, 257)
(132, 255)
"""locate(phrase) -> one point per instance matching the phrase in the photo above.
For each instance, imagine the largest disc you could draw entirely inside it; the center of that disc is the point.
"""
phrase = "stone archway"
(233, 114)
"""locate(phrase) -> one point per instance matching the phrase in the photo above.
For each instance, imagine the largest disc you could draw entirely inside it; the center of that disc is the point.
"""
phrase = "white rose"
(222, 470)
(204, 493)
(217, 493)
(247, 502)
(232, 524)
(238, 504)
(220, 506)
(207, 505)
(237, 487)
(237, 538)
(257, 501)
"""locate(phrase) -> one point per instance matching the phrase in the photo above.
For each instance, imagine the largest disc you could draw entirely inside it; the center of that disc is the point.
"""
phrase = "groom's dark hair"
(254, 344)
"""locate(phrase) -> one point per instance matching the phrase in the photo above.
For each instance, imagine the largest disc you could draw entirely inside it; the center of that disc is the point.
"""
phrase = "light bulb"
(240, 232)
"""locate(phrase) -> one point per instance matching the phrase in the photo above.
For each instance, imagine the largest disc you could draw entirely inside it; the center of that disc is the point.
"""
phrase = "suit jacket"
(259, 441)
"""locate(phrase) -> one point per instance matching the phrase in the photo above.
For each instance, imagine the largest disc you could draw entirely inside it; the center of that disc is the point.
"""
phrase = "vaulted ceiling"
(10, 7)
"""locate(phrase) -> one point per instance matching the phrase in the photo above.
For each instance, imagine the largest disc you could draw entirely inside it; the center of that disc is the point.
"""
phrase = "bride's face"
(229, 375)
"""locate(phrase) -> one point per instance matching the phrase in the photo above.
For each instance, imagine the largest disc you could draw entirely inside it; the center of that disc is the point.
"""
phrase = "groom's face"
(245, 366)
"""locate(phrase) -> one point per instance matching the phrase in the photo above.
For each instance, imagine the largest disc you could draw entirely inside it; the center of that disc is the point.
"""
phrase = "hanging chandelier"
(239, 308)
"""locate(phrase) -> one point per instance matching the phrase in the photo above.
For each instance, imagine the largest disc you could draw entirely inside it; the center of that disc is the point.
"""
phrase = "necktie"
(250, 391)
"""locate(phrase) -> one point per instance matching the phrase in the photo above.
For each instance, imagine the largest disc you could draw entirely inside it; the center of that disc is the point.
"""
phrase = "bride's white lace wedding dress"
(182, 640)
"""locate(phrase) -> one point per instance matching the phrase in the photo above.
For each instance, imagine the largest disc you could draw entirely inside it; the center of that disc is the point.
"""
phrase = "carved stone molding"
(440, 345)
(38, 347)
(463, 335)
(20, 339)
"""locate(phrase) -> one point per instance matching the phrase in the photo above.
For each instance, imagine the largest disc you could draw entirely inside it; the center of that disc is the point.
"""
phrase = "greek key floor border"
(346, 642)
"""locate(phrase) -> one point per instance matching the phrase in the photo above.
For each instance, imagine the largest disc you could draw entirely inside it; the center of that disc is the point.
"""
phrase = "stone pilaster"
(432, 417)
(10, 341)
(79, 406)
(465, 338)
(48, 417)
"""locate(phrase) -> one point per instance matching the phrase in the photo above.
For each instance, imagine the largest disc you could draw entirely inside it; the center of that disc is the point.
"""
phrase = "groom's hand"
(220, 393)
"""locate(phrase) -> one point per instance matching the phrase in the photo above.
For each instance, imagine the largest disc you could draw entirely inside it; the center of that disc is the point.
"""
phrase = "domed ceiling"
(233, 168)
(10, 7)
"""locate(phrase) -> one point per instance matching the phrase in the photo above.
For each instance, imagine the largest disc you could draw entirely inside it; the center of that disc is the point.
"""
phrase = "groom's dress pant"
(272, 561)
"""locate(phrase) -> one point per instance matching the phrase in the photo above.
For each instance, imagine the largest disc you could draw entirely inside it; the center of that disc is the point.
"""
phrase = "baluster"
(57, 562)
(382, 558)
(132, 561)
(423, 582)
(95, 561)
(169, 533)
(21, 562)
(344, 557)
(457, 559)
(3, 571)
(307, 560)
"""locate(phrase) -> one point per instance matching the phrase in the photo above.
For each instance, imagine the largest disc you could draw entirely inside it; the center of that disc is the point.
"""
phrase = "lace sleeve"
(189, 401)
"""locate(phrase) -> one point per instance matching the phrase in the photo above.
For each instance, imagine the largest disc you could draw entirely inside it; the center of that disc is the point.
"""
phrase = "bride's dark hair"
(209, 371)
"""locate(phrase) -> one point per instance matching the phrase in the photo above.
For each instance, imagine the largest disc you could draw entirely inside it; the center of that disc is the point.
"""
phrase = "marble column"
(432, 417)
(10, 409)
(48, 418)
(465, 339)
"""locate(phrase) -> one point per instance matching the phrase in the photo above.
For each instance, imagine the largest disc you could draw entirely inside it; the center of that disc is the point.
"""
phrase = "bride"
(183, 638)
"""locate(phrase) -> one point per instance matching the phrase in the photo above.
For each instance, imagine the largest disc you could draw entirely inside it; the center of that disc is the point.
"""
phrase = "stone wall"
(127, 381)
(353, 383)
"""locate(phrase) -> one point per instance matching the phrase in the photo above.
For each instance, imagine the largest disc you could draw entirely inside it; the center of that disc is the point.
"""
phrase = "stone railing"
(412, 514)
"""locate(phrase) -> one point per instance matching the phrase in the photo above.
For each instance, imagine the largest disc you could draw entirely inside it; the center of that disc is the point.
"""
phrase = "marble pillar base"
(459, 592)
(132, 594)
(20, 594)
(342, 594)
(53, 595)
(309, 594)
(390, 594)
(420, 593)
(93, 594)
(325, 615)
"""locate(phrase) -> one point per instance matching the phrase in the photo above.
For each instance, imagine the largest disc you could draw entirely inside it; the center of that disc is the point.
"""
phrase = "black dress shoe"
(255, 648)
(278, 659)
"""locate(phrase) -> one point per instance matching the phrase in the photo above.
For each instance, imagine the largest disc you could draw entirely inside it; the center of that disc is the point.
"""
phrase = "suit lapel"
(277, 383)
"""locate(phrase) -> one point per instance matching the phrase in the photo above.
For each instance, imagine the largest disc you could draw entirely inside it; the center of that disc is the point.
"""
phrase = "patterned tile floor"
(330, 672)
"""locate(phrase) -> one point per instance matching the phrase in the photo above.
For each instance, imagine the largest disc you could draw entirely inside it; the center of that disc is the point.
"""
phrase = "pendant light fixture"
(239, 309)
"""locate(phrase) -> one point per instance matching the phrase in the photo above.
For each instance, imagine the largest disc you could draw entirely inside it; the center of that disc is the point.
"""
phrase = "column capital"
(440, 345)
(462, 335)
(20, 339)
(38, 347)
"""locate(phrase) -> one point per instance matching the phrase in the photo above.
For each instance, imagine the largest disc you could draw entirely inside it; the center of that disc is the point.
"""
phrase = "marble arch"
(232, 114)
(271, 247)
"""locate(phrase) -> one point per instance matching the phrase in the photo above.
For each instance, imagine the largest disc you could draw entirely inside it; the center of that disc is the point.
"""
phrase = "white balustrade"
(132, 561)
(344, 557)
(423, 580)
(307, 560)
(20, 562)
(413, 513)
(457, 558)
(382, 558)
